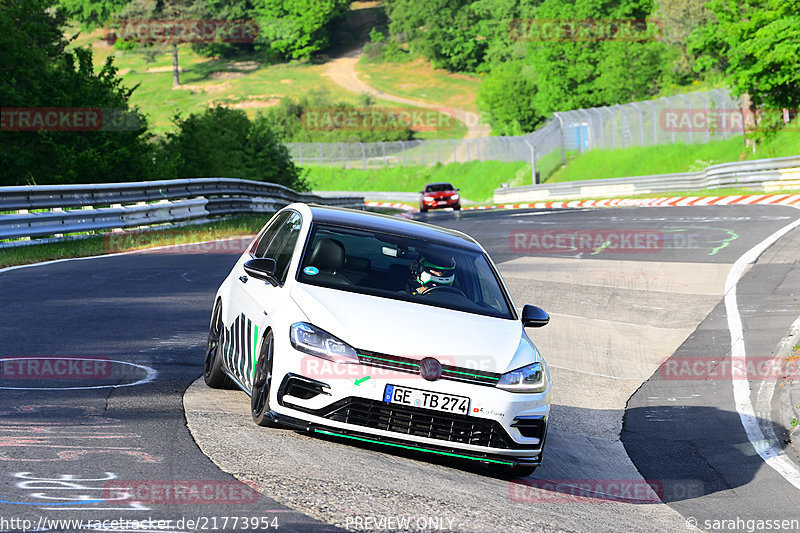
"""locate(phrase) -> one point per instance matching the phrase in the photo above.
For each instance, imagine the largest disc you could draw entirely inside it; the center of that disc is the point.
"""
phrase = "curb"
(395, 205)
(669, 201)
(672, 201)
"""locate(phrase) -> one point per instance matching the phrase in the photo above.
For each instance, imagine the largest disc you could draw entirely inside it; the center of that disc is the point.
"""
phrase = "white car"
(383, 330)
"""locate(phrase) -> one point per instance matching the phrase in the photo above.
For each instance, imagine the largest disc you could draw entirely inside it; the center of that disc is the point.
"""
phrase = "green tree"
(153, 13)
(296, 29)
(92, 13)
(444, 31)
(506, 98)
(38, 72)
(316, 117)
(677, 20)
(756, 44)
(568, 55)
(223, 142)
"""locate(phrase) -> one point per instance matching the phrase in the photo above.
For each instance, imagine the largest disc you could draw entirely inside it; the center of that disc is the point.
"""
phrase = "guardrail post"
(641, 123)
(561, 136)
(533, 162)
(363, 156)
(654, 119)
(689, 113)
(672, 130)
(708, 111)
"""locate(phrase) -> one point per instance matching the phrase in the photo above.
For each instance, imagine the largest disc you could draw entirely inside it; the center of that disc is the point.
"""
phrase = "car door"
(257, 299)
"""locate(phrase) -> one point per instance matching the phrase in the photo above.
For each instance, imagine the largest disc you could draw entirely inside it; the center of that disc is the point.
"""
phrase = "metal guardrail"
(768, 175)
(64, 209)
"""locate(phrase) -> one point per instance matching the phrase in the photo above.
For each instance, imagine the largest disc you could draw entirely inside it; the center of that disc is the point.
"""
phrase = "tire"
(457, 208)
(423, 209)
(213, 374)
(511, 472)
(262, 382)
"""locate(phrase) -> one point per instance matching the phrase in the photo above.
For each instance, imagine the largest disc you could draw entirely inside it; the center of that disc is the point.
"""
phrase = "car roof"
(351, 218)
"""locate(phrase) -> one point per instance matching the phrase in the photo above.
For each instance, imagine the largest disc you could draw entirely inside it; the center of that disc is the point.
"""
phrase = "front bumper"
(440, 203)
(501, 427)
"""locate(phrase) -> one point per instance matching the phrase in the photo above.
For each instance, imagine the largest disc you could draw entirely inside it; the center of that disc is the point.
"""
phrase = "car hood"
(411, 330)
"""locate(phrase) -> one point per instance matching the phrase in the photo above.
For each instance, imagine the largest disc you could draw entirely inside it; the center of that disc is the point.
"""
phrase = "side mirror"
(534, 317)
(262, 268)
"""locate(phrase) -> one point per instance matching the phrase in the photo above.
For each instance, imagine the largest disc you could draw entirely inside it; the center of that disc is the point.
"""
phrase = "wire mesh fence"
(686, 118)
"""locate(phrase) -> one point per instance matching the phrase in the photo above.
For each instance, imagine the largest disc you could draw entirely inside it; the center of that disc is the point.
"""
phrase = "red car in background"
(439, 195)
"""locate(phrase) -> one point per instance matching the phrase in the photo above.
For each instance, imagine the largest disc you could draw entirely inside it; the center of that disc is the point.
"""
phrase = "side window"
(269, 232)
(282, 245)
(490, 292)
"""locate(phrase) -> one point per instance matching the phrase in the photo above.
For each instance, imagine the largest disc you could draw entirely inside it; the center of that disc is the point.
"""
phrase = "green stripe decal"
(417, 365)
(468, 374)
(388, 360)
(413, 448)
(255, 353)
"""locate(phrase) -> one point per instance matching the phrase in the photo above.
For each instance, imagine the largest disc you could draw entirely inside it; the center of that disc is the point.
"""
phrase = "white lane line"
(769, 450)
(115, 254)
(593, 373)
(151, 375)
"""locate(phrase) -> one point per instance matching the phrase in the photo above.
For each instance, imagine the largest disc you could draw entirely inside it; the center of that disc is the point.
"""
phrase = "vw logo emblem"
(430, 369)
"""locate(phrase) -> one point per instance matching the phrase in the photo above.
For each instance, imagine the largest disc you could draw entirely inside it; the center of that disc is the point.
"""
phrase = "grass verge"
(418, 80)
(477, 179)
(669, 158)
(117, 242)
(242, 82)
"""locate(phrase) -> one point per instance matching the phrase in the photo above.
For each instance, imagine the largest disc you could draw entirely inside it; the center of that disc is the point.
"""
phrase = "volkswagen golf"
(372, 328)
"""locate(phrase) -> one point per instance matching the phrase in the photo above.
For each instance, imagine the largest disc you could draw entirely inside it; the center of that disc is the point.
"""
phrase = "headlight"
(455, 197)
(312, 340)
(529, 378)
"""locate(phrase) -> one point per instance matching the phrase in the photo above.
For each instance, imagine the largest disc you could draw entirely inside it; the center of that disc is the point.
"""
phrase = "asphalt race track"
(100, 398)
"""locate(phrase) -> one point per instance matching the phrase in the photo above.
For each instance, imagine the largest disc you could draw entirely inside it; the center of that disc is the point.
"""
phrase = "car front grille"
(420, 423)
(411, 366)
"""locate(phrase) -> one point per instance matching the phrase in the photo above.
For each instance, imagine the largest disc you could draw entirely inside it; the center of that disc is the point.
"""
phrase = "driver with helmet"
(427, 273)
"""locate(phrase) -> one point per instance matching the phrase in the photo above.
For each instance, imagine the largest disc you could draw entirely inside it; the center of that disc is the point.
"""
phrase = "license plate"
(435, 401)
(442, 202)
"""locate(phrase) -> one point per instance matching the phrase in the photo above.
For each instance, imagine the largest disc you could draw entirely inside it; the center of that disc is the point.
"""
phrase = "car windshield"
(438, 187)
(403, 268)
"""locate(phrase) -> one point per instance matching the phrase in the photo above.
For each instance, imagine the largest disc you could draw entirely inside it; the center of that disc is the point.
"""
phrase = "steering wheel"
(445, 288)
